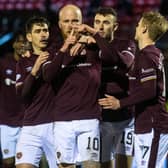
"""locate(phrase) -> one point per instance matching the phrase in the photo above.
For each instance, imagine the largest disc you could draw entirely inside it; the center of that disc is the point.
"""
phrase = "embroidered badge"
(58, 155)
(6, 151)
(19, 155)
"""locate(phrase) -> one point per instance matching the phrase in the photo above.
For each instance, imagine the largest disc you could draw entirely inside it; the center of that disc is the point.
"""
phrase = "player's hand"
(76, 49)
(71, 40)
(91, 40)
(86, 40)
(39, 61)
(83, 28)
(109, 102)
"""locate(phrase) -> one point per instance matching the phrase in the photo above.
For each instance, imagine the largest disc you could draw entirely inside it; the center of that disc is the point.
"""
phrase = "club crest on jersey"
(19, 155)
(6, 151)
(28, 69)
(58, 155)
(83, 52)
(9, 71)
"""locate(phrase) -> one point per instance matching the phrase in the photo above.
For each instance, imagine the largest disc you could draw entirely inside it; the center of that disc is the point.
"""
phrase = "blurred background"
(14, 13)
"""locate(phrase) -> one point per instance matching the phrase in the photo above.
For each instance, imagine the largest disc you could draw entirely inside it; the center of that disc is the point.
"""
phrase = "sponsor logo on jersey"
(28, 69)
(9, 71)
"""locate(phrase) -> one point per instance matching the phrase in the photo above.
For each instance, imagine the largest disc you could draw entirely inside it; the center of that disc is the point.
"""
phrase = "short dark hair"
(19, 33)
(106, 11)
(38, 20)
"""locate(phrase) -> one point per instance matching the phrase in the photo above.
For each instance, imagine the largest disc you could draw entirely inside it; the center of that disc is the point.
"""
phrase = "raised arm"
(25, 82)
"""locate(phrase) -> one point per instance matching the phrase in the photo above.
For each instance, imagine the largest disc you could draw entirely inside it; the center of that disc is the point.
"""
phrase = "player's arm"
(35, 73)
(147, 82)
(58, 60)
(105, 47)
(113, 88)
(25, 84)
(53, 66)
(127, 55)
(144, 91)
(108, 54)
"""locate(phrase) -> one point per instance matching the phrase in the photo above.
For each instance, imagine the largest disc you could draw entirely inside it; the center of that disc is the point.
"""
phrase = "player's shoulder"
(151, 52)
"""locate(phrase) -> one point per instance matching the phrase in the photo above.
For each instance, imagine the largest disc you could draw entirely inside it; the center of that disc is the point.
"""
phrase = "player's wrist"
(33, 73)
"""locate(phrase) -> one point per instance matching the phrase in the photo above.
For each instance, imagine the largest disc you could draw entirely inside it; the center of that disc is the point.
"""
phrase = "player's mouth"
(101, 33)
(44, 41)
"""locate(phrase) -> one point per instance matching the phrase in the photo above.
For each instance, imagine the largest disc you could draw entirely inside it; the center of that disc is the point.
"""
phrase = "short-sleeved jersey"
(147, 91)
(36, 94)
(11, 110)
(115, 78)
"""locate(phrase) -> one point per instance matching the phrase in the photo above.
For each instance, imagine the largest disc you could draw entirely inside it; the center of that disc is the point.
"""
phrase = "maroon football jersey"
(147, 91)
(115, 79)
(36, 94)
(11, 109)
(76, 81)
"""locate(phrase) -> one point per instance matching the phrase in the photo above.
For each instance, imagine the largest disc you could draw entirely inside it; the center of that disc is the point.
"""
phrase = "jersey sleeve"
(112, 55)
(146, 77)
(55, 65)
(107, 52)
(24, 81)
(127, 54)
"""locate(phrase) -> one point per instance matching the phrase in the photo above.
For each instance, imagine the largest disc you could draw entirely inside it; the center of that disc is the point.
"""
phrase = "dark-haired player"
(116, 128)
(36, 135)
(75, 102)
(11, 110)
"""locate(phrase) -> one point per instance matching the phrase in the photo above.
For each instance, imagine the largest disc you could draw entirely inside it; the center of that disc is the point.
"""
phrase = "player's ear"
(115, 26)
(59, 24)
(29, 37)
(144, 29)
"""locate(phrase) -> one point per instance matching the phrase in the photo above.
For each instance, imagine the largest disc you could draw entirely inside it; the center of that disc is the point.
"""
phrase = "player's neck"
(16, 56)
(145, 42)
(37, 51)
(111, 38)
